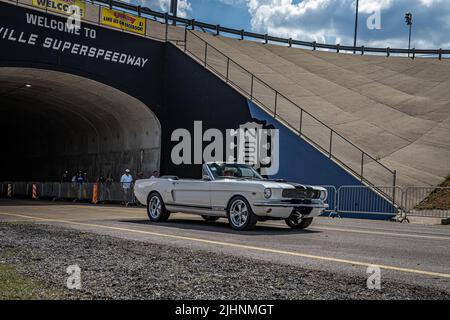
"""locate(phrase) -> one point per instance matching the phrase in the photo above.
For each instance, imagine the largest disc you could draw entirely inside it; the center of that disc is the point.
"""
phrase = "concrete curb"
(429, 220)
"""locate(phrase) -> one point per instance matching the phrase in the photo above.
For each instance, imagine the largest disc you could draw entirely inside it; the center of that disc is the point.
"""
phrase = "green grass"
(14, 286)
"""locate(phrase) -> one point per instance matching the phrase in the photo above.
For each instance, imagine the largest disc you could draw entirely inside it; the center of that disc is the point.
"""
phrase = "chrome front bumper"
(290, 205)
(282, 210)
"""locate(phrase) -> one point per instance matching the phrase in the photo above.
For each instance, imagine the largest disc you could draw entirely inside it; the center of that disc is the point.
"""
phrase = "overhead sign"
(60, 6)
(123, 20)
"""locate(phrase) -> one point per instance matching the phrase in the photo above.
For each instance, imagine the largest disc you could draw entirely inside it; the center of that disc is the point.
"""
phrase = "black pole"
(409, 41)
(409, 22)
(356, 26)
(173, 9)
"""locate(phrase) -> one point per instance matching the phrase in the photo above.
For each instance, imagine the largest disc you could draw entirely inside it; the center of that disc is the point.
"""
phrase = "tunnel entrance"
(52, 121)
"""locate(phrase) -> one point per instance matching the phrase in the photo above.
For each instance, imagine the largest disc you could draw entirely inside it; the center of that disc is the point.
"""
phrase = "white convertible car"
(234, 191)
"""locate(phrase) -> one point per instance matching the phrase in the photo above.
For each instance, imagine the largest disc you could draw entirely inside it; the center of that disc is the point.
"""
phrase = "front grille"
(301, 193)
(295, 193)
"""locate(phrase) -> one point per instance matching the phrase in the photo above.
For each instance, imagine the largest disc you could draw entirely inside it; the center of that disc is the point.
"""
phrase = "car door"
(192, 193)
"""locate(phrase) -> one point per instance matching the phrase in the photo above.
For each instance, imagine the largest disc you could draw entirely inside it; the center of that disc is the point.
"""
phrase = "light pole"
(174, 9)
(356, 26)
(408, 20)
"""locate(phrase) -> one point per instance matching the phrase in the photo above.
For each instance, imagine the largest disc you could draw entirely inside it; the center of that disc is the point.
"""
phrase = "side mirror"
(206, 177)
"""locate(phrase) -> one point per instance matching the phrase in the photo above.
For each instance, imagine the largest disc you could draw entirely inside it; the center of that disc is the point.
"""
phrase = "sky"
(381, 22)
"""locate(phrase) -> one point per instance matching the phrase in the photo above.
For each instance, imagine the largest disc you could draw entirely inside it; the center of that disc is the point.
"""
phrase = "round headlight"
(267, 193)
(323, 195)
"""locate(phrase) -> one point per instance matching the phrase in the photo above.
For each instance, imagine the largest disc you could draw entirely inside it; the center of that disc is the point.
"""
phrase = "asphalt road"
(415, 254)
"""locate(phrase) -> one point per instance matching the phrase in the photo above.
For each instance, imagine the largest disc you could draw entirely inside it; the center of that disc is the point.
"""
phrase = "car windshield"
(233, 170)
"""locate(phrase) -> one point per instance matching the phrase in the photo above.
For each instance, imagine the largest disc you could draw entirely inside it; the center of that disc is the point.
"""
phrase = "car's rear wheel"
(240, 214)
(156, 209)
(295, 221)
(210, 218)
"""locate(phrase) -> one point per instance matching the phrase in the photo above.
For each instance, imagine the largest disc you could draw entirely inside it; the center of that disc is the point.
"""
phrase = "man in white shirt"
(127, 180)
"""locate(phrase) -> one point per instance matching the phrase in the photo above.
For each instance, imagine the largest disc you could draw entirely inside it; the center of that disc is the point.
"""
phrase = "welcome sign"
(60, 6)
(85, 44)
(123, 20)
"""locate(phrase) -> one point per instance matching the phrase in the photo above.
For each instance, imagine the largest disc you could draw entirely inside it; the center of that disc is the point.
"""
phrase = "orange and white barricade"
(34, 191)
(95, 193)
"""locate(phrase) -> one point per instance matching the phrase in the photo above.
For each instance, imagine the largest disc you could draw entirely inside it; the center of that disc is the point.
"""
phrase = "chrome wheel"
(239, 213)
(155, 207)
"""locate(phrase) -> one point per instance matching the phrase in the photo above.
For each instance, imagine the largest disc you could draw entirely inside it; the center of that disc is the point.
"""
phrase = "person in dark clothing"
(108, 185)
(101, 188)
(79, 177)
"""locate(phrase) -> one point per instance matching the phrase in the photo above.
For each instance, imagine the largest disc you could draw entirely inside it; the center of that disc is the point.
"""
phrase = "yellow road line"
(240, 246)
(408, 235)
(383, 233)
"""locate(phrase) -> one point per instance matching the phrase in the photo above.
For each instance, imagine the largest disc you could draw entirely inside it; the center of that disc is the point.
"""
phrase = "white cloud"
(331, 21)
(184, 6)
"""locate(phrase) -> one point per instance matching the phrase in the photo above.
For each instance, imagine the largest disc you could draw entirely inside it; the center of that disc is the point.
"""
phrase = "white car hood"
(272, 184)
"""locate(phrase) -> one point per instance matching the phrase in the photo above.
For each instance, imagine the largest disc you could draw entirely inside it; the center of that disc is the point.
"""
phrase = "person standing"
(101, 188)
(127, 180)
(108, 185)
(79, 178)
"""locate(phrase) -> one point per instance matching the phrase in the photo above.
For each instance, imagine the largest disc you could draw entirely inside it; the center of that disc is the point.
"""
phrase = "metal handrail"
(333, 133)
(217, 29)
(289, 100)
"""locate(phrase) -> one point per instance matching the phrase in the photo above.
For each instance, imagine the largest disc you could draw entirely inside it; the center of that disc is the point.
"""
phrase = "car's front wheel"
(295, 221)
(156, 209)
(240, 214)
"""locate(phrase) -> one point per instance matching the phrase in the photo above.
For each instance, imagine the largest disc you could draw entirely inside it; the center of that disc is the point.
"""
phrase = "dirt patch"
(439, 199)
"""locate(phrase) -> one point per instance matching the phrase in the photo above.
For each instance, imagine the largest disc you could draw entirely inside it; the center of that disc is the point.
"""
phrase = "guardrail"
(217, 29)
(354, 200)
(266, 38)
(361, 200)
(306, 125)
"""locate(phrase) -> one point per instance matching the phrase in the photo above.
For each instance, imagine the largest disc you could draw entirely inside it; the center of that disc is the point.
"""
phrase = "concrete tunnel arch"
(67, 122)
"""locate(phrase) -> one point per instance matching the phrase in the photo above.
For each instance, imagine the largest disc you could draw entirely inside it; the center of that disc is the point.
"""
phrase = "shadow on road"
(222, 227)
